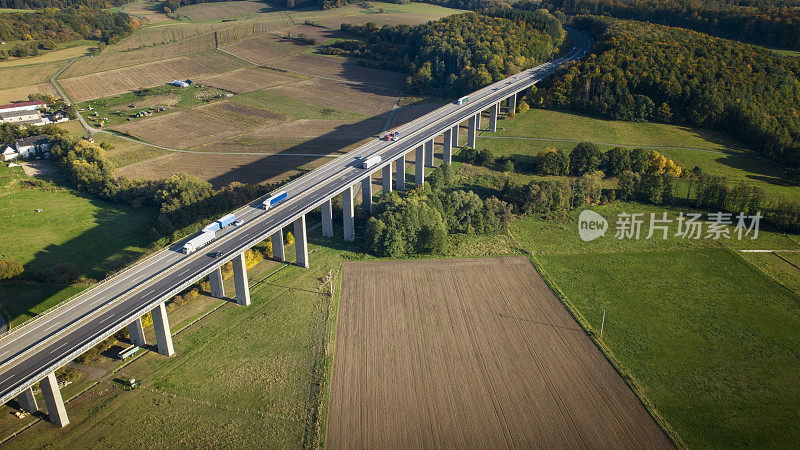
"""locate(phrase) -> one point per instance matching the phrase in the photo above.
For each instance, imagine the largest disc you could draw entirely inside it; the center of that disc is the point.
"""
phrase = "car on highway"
(237, 223)
(215, 254)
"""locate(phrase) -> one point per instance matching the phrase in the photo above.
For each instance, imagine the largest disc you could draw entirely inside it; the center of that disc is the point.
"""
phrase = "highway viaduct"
(33, 352)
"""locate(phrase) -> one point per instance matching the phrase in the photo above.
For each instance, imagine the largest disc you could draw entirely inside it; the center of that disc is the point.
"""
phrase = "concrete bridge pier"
(52, 399)
(472, 130)
(454, 133)
(400, 175)
(429, 153)
(419, 166)
(27, 401)
(217, 288)
(512, 104)
(386, 178)
(300, 242)
(366, 194)
(327, 218)
(447, 152)
(347, 215)
(478, 119)
(240, 280)
(277, 246)
(163, 333)
(493, 111)
(136, 330)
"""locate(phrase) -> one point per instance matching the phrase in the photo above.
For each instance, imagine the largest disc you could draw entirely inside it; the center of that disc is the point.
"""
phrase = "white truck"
(199, 241)
(371, 161)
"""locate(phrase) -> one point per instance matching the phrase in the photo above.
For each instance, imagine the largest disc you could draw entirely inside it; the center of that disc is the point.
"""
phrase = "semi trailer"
(220, 223)
(371, 161)
(274, 200)
(199, 241)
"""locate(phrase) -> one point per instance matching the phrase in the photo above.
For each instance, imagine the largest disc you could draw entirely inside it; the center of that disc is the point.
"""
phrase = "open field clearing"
(474, 353)
(320, 33)
(56, 55)
(170, 33)
(203, 12)
(715, 153)
(256, 389)
(720, 364)
(292, 107)
(87, 87)
(151, 10)
(21, 93)
(410, 13)
(22, 76)
(340, 69)
(201, 124)
(783, 267)
(264, 48)
(221, 170)
(246, 80)
(357, 98)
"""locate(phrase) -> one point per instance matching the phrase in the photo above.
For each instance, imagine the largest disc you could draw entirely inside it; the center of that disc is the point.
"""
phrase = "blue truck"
(274, 200)
(220, 223)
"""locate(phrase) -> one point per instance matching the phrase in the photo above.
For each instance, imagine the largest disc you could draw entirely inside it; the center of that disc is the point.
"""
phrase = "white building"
(29, 146)
(8, 153)
(23, 112)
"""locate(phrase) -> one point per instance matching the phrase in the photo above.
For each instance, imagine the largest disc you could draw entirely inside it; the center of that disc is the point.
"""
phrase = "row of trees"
(421, 220)
(765, 24)
(644, 72)
(459, 53)
(45, 28)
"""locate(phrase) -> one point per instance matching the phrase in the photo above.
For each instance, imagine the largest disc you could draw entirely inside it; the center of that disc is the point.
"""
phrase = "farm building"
(22, 113)
(179, 83)
(8, 153)
(29, 146)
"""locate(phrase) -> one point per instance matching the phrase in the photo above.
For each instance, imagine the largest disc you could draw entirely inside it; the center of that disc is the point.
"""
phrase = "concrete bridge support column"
(163, 333)
(493, 110)
(512, 105)
(240, 280)
(472, 131)
(277, 246)
(447, 153)
(400, 176)
(327, 218)
(347, 215)
(429, 153)
(52, 399)
(217, 288)
(136, 330)
(478, 119)
(27, 401)
(366, 194)
(300, 242)
(386, 178)
(454, 134)
(419, 166)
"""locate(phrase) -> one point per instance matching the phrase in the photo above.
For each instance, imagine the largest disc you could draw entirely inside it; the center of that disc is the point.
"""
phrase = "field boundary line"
(628, 378)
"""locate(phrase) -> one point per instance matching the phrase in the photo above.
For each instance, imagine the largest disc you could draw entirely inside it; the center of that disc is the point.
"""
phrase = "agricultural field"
(471, 353)
(65, 52)
(28, 75)
(342, 69)
(254, 389)
(264, 48)
(202, 12)
(353, 97)
(247, 80)
(21, 93)
(151, 10)
(527, 134)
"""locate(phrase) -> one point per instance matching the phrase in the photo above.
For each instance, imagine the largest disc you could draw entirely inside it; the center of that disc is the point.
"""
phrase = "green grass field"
(714, 152)
(294, 108)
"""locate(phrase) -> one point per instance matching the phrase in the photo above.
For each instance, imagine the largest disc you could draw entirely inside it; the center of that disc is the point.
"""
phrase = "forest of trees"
(45, 28)
(456, 54)
(644, 72)
(772, 25)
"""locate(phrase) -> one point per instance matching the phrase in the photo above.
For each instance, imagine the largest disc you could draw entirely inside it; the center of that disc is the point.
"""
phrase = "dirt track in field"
(474, 353)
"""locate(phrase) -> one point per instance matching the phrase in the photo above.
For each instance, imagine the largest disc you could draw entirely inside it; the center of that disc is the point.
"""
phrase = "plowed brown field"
(353, 97)
(246, 80)
(475, 353)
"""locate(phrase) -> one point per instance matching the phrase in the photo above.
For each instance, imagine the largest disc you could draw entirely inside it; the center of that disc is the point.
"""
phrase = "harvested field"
(321, 34)
(103, 84)
(247, 80)
(21, 93)
(20, 76)
(199, 125)
(221, 170)
(52, 56)
(340, 68)
(475, 353)
(263, 48)
(357, 98)
(150, 10)
(223, 10)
